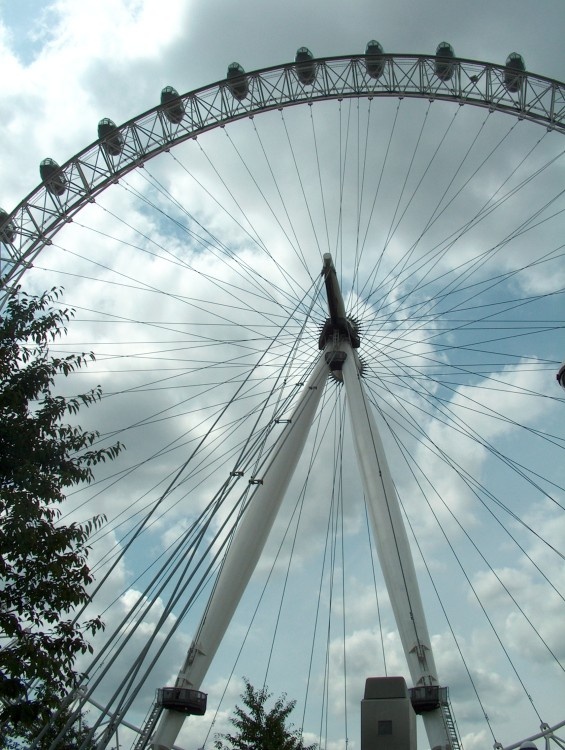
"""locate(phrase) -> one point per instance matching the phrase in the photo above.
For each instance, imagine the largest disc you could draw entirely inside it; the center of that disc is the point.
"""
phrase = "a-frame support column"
(245, 548)
(339, 341)
(392, 544)
(387, 525)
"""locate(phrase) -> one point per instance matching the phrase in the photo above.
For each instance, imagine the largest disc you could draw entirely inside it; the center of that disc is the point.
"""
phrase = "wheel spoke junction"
(195, 279)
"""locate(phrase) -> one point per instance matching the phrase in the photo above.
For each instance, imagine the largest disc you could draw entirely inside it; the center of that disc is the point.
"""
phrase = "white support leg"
(245, 549)
(391, 541)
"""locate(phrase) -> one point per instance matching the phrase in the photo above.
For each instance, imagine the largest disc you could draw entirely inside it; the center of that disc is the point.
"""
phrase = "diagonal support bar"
(245, 549)
(392, 543)
(388, 528)
(387, 525)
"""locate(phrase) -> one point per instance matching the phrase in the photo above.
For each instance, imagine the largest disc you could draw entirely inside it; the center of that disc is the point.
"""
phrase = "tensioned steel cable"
(464, 281)
(487, 208)
(321, 429)
(301, 183)
(473, 484)
(197, 468)
(485, 256)
(375, 587)
(276, 263)
(481, 604)
(373, 274)
(320, 432)
(296, 250)
(343, 597)
(320, 180)
(160, 651)
(362, 169)
(219, 249)
(150, 666)
(331, 557)
(251, 233)
(498, 415)
(392, 227)
(478, 408)
(341, 156)
(405, 261)
(409, 464)
(320, 587)
(245, 443)
(455, 423)
(434, 415)
(179, 473)
(488, 256)
(291, 225)
(146, 287)
(440, 296)
(165, 614)
(472, 433)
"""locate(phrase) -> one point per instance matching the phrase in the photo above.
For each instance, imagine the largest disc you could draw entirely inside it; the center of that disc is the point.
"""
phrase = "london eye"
(272, 271)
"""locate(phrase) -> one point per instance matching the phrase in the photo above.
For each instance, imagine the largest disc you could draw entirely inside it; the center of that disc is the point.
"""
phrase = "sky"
(192, 280)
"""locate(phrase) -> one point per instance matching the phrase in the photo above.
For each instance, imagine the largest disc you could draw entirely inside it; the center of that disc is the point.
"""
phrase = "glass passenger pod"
(444, 66)
(53, 177)
(561, 375)
(182, 700)
(428, 698)
(514, 73)
(173, 108)
(110, 137)
(237, 81)
(305, 68)
(374, 60)
(7, 229)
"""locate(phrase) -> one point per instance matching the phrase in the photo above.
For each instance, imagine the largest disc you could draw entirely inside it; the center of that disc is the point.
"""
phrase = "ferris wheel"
(293, 279)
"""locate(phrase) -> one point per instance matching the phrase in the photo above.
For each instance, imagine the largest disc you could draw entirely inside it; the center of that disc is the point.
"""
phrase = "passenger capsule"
(110, 137)
(183, 700)
(444, 66)
(374, 61)
(305, 68)
(54, 179)
(515, 67)
(173, 108)
(561, 375)
(7, 229)
(237, 81)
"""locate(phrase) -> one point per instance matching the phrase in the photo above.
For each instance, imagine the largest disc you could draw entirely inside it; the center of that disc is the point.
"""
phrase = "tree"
(43, 561)
(75, 737)
(260, 729)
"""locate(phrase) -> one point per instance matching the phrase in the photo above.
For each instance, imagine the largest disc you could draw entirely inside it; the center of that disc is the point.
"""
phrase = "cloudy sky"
(196, 282)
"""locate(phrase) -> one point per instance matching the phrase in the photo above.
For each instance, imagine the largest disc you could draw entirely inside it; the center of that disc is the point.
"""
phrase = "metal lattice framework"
(39, 216)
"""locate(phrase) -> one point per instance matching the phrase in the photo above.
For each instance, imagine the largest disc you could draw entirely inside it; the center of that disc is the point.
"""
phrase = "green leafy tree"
(260, 729)
(43, 562)
(75, 737)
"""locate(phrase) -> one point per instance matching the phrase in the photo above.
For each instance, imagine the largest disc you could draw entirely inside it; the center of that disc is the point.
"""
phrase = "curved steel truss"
(54, 202)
